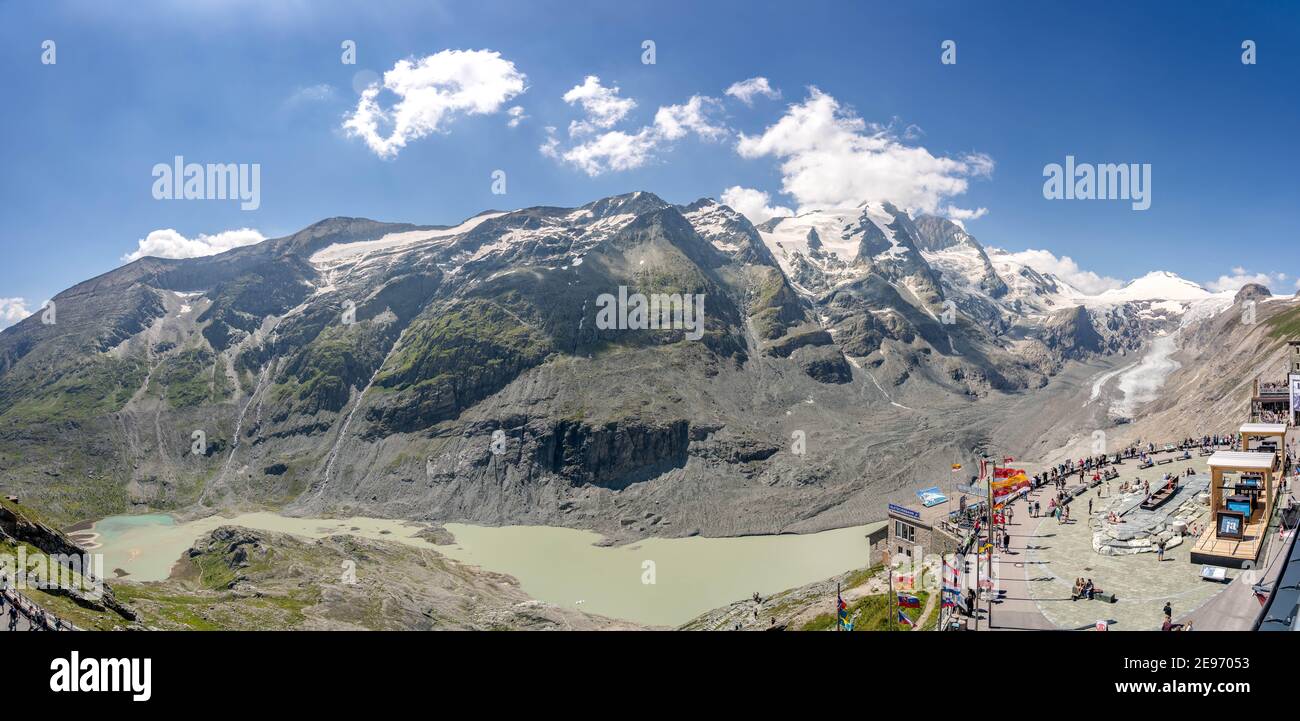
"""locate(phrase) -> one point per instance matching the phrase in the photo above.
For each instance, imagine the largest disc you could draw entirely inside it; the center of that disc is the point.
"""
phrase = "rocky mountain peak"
(1252, 291)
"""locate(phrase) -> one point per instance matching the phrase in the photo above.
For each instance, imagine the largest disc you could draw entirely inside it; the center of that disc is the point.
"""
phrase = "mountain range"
(459, 372)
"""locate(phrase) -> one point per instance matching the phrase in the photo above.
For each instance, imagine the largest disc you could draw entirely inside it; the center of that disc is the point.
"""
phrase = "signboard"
(931, 496)
(1230, 524)
(1294, 383)
(904, 511)
(971, 490)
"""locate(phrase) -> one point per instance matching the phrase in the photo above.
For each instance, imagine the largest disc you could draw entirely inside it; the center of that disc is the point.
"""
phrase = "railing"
(35, 615)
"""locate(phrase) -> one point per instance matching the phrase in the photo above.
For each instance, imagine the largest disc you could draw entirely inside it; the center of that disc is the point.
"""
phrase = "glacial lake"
(561, 566)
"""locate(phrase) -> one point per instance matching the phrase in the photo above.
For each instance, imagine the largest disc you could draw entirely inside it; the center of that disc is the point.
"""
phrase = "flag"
(1008, 459)
(956, 467)
(903, 619)
(908, 601)
(841, 611)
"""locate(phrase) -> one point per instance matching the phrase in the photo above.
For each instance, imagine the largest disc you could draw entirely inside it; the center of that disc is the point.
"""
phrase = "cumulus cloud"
(614, 150)
(517, 116)
(13, 310)
(673, 122)
(598, 148)
(830, 157)
(753, 204)
(1240, 277)
(432, 91)
(746, 90)
(1064, 267)
(602, 105)
(960, 215)
(167, 243)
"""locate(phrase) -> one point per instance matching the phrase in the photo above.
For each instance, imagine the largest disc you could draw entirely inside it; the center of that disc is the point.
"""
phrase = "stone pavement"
(1038, 574)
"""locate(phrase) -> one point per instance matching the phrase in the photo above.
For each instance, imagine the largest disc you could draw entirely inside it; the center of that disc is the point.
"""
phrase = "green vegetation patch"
(94, 387)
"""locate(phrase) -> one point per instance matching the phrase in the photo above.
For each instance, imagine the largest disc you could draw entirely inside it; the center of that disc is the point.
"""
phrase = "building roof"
(1274, 429)
(1283, 610)
(925, 516)
(1245, 460)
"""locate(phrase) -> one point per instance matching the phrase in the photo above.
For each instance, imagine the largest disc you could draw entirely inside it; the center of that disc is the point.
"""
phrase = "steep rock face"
(1070, 333)
(613, 455)
(937, 234)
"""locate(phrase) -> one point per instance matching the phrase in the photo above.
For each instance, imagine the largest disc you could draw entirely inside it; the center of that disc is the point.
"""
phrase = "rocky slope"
(238, 579)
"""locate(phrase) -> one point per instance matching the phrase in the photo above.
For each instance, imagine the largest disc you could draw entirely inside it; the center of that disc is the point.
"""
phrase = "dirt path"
(925, 612)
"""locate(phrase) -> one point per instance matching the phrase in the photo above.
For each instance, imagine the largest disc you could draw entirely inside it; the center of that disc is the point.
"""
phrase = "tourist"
(1169, 610)
(1089, 506)
(1160, 551)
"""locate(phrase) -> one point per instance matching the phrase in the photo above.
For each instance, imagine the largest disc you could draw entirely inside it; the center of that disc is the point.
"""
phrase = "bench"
(1164, 461)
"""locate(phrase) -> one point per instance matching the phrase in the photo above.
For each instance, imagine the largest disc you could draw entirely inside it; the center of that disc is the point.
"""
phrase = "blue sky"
(136, 84)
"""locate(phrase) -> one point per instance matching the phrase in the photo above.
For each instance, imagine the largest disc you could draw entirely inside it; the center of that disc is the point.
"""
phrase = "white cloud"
(432, 91)
(746, 90)
(602, 105)
(311, 94)
(1240, 277)
(674, 122)
(614, 150)
(753, 204)
(1064, 267)
(958, 215)
(12, 310)
(830, 157)
(167, 243)
(517, 116)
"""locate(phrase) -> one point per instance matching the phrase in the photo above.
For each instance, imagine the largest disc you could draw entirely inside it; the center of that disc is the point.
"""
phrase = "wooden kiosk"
(1263, 433)
(1239, 508)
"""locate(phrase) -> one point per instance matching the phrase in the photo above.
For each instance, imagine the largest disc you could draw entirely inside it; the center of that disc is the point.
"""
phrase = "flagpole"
(837, 606)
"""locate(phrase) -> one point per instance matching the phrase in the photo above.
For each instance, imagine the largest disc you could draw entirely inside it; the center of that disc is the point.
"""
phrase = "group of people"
(1084, 588)
(12, 606)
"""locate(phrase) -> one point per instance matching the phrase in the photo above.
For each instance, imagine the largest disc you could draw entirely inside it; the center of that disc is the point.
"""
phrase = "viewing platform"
(1240, 511)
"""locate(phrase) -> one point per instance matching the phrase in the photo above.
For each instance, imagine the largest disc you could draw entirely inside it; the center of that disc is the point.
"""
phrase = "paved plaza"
(1038, 574)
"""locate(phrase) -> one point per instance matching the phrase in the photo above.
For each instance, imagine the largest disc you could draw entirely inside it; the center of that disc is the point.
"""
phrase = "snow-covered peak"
(1156, 285)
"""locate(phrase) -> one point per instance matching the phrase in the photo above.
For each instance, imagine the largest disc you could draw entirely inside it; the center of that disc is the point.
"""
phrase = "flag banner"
(903, 619)
(1007, 472)
(1006, 486)
(908, 601)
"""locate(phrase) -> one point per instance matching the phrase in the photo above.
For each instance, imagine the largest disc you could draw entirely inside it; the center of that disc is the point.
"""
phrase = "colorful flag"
(908, 601)
(956, 467)
(842, 611)
(903, 619)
